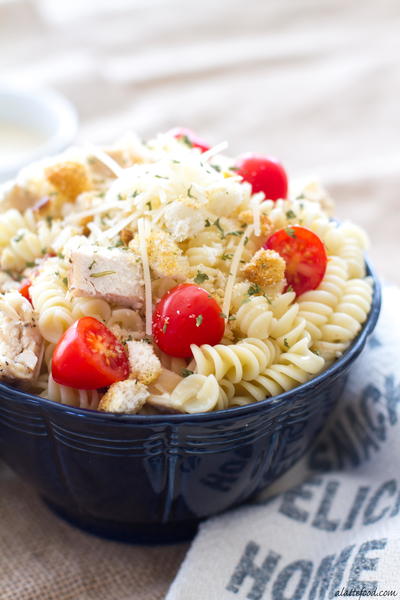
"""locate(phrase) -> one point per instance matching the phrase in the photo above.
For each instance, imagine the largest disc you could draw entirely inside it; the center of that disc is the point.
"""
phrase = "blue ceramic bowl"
(152, 478)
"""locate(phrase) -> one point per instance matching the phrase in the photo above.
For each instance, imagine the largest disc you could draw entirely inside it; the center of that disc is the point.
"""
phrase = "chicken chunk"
(145, 366)
(20, 340)
(124, 397)
(110, 273)
(14, 195)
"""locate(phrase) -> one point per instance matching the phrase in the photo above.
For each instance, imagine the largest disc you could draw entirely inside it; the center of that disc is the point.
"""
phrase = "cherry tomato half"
(24, 289)
(190, 138)
(265, 174)
(186, 315)
(304, 254)
(89, 356)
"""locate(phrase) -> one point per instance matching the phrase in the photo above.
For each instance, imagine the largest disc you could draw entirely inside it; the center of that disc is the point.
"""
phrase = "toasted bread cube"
(165, 256)
(20, 339)
(246, 216)
(145, 366)
(126, 396)
(110, 273)
(69, 178)
(266, 269)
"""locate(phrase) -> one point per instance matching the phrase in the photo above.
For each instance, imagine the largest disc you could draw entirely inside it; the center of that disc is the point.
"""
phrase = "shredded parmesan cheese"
(113, 231)
(214, 151)
(255, 207)
(109, 162)
(144, 227)
(233, 271)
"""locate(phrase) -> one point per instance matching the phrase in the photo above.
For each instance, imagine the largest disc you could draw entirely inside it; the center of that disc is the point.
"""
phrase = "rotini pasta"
(49, 297)
(202, 295)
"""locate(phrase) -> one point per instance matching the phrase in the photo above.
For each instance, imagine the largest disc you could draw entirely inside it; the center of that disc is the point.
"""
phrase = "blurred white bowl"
(33, 124)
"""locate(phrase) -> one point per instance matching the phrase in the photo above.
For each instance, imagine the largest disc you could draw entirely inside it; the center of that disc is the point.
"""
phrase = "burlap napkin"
(43, 558)
(338, 532)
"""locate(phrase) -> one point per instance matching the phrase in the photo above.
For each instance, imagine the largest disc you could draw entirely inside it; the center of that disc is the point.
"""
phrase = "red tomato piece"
(265, 174)
(190, 138)
(304, 254)
(186, 315)
(89, 356)
(24, 289)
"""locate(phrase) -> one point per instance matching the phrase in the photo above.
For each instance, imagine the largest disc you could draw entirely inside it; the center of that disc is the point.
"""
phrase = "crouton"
(20, 341)
(165, 256)
(126, 236)
(110, 273)
(246, 216)
(145, 366)
(126, 396)
(69, 178)
(266, 269)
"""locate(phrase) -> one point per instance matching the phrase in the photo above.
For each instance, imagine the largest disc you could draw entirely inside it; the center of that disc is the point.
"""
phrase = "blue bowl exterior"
(125, 475)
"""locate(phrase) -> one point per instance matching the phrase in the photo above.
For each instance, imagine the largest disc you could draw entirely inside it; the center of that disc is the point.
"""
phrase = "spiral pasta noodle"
(294, 367)
(49, 297)
(316, 306)
(244, 360)
(254, 318)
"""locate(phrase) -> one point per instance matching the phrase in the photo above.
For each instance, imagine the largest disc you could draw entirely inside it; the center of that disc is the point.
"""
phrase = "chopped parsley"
(102, 273)
(217, 224)
(289, 288)
(161, 177)
(254, 289)
(226, 256)
(290, 214)
(186, 372)
(30, 264)
(236, 233)
(19, 237)
(148, 204)
(49, 219)
(164, 329)
(291, 232)
(207, 223)
(120, 197)
(189, 193)
(65, 281)
(186, 140)
(199, 320)
(216, 167)
(201, 277)
(60, 255)
(90, 267)
(285, 343)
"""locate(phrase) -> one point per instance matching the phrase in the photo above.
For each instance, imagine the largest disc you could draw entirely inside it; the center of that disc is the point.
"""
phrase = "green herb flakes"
(102, 274)
(199, 320)
(201, 277)
(186, 372)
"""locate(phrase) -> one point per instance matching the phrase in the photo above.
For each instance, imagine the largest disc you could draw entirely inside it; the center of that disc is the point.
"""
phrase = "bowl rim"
(349, 355)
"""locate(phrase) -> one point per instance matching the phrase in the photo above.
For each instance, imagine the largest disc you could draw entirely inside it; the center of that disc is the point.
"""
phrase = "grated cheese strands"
(255, 207)
(113, 231)
(214, 150)
(109, 162)
(144, 228)
(98, 210)
(233, 271)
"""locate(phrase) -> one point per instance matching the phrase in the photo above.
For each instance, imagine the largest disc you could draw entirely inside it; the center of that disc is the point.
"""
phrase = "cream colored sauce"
(17, 141)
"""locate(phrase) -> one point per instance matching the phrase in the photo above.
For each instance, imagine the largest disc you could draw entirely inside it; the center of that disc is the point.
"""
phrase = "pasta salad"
(163, 276)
